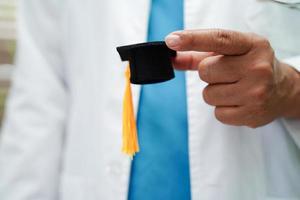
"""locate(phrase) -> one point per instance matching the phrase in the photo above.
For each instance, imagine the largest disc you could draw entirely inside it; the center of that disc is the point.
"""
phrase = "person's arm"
(293, 124)
(32, 135)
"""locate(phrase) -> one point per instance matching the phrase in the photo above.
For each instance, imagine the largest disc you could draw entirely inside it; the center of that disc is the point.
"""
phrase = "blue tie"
(161, 170)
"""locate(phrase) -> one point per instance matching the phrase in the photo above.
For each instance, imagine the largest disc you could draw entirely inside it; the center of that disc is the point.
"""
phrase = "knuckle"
(264, 46)
(223, 38)
(264, 70)
(260, 95)
(263, 42)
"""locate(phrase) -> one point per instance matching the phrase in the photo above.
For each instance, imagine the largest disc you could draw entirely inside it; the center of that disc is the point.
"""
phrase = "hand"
(246, 83)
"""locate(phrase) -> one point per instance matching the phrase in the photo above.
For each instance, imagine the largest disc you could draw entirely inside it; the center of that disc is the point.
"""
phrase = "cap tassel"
(130, 139)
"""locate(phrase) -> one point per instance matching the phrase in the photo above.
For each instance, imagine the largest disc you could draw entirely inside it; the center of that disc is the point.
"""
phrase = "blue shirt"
(161, 169)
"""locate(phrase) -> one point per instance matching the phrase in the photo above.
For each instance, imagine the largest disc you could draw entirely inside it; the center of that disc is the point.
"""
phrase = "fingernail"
(173, 40)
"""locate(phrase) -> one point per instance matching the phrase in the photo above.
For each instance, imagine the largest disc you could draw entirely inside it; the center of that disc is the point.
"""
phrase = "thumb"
(190, 60)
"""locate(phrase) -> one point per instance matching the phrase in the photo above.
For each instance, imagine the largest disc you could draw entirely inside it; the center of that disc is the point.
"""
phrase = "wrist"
(291, 103)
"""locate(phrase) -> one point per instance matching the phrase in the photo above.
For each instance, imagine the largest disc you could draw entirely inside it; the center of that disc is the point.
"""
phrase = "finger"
(233, 115)
(222, 69)
(189, 60)
(224, 42)
(223, 95)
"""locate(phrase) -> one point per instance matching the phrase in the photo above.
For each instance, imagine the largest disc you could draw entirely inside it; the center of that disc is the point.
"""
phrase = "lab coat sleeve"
(293, 125)
(33, 131)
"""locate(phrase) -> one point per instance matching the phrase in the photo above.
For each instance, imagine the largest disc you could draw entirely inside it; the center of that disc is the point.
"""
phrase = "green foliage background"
(7, 48)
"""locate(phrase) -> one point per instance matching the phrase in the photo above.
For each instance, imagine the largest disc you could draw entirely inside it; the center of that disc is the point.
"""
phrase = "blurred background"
(7, 47)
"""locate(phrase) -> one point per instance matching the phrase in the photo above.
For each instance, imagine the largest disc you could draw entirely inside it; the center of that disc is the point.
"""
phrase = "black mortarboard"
(149, 62)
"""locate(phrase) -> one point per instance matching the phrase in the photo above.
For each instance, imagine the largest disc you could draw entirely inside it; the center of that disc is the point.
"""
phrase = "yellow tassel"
(130, 139)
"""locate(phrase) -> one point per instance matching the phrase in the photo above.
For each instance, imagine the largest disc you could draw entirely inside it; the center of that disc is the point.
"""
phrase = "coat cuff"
(293, 125)
(293, 61)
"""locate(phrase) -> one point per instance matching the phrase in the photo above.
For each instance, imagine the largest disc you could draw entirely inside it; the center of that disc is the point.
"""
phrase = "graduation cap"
(148, 63)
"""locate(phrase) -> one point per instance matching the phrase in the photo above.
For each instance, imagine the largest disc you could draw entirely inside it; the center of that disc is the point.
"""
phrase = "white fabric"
(289, 3)
(62, 134)
(294, 61)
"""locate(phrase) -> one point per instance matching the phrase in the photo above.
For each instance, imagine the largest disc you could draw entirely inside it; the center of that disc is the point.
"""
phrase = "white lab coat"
(62, 133)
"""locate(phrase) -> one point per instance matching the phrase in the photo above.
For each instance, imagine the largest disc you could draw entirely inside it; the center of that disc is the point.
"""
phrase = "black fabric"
(149, 62)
